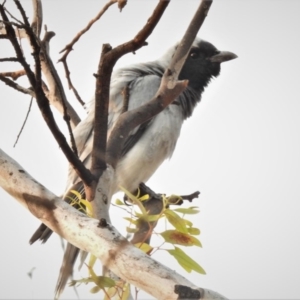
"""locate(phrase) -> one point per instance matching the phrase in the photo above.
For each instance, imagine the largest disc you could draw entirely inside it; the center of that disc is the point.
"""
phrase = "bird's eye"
(194, 54)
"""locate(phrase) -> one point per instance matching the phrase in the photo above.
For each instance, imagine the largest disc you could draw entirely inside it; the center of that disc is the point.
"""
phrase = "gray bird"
(150, 143)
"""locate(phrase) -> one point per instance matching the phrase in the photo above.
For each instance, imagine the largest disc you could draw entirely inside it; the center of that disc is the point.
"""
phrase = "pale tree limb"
(116, 253)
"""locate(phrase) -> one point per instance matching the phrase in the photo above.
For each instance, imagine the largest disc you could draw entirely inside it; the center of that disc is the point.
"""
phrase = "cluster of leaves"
(182, 233)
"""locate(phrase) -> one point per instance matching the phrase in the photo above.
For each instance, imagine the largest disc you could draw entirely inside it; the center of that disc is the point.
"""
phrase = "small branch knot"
(185, 292)
(102, 223)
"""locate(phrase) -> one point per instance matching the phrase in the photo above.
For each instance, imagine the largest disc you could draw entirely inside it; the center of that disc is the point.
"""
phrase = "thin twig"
(11, 59)
(69, 47)
(125, 94)
(16, 86)
(23, 125)
(14, 75)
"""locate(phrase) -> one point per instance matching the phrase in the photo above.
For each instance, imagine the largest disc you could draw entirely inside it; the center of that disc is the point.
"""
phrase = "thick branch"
(116, 253)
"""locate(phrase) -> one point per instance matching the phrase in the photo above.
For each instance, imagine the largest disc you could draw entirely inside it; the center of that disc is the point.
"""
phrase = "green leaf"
(131, 230)
(95, 289)
(188, 222)
(132, 221)
(187, 211)
(100, 281)
(180, 238)
(175, 220)
(185, 261)
(135, 200)
(194, 231)
(150, 218)
(92, 261)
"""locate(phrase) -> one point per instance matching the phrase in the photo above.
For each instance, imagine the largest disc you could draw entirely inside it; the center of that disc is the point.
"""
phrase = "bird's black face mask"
(203, 63)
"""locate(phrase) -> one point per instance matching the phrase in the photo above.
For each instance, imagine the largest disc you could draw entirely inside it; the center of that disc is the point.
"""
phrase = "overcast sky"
(241, 147)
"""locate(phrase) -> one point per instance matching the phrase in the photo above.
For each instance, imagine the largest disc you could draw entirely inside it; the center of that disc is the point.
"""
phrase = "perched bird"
(150, 143)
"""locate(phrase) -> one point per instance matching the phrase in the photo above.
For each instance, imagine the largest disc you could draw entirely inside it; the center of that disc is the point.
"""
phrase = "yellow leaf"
(175, 220)
(92, 261)
(135, 200)
(194, 231)
(144, 247)
(119, 202)
(131, 230)
(95, 289)
(180, 238)
(189, 211)
(132, 221)
(126, 292)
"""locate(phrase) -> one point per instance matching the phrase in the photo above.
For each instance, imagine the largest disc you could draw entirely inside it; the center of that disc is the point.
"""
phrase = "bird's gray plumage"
(149, 144)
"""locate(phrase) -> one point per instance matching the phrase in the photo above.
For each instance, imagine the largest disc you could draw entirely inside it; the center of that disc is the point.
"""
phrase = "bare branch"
(16, 86)
(37, 20)
(15, 74)
(43, 102)
(9, 59)
(23, 125)
(68, 48)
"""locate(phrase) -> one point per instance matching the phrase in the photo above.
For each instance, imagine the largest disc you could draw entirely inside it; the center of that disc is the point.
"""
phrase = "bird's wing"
(141, 89)
(143, 82)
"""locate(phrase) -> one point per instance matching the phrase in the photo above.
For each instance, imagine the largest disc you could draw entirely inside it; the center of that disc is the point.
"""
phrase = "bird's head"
(203, 62)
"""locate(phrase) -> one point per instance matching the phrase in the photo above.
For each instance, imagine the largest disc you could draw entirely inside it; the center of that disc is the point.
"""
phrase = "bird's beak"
(223, 56)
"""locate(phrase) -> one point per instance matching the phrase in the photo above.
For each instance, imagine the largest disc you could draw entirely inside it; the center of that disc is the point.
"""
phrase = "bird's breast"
(156, 145)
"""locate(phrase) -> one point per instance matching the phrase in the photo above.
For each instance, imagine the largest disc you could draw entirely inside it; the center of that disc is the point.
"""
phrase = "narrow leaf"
(187, 211)
(176, 220)
(144, 247)
(194, 231)
(185, 261)
(180, 238)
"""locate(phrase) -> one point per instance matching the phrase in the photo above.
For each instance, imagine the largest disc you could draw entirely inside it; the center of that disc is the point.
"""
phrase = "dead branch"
(16, 86)
(23, 125)
(14, 74)
(37, 20)
(8, 59)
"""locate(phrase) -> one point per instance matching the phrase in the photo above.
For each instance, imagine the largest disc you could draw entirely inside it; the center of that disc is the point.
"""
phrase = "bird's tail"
(66, 269)
(71, 252)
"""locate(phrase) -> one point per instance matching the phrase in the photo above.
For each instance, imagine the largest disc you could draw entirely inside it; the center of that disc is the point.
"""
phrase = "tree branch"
(42, 100)
(69, 47)
(116, 253)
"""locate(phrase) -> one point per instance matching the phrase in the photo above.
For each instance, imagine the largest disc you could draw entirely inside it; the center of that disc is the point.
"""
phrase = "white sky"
(240, 148)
